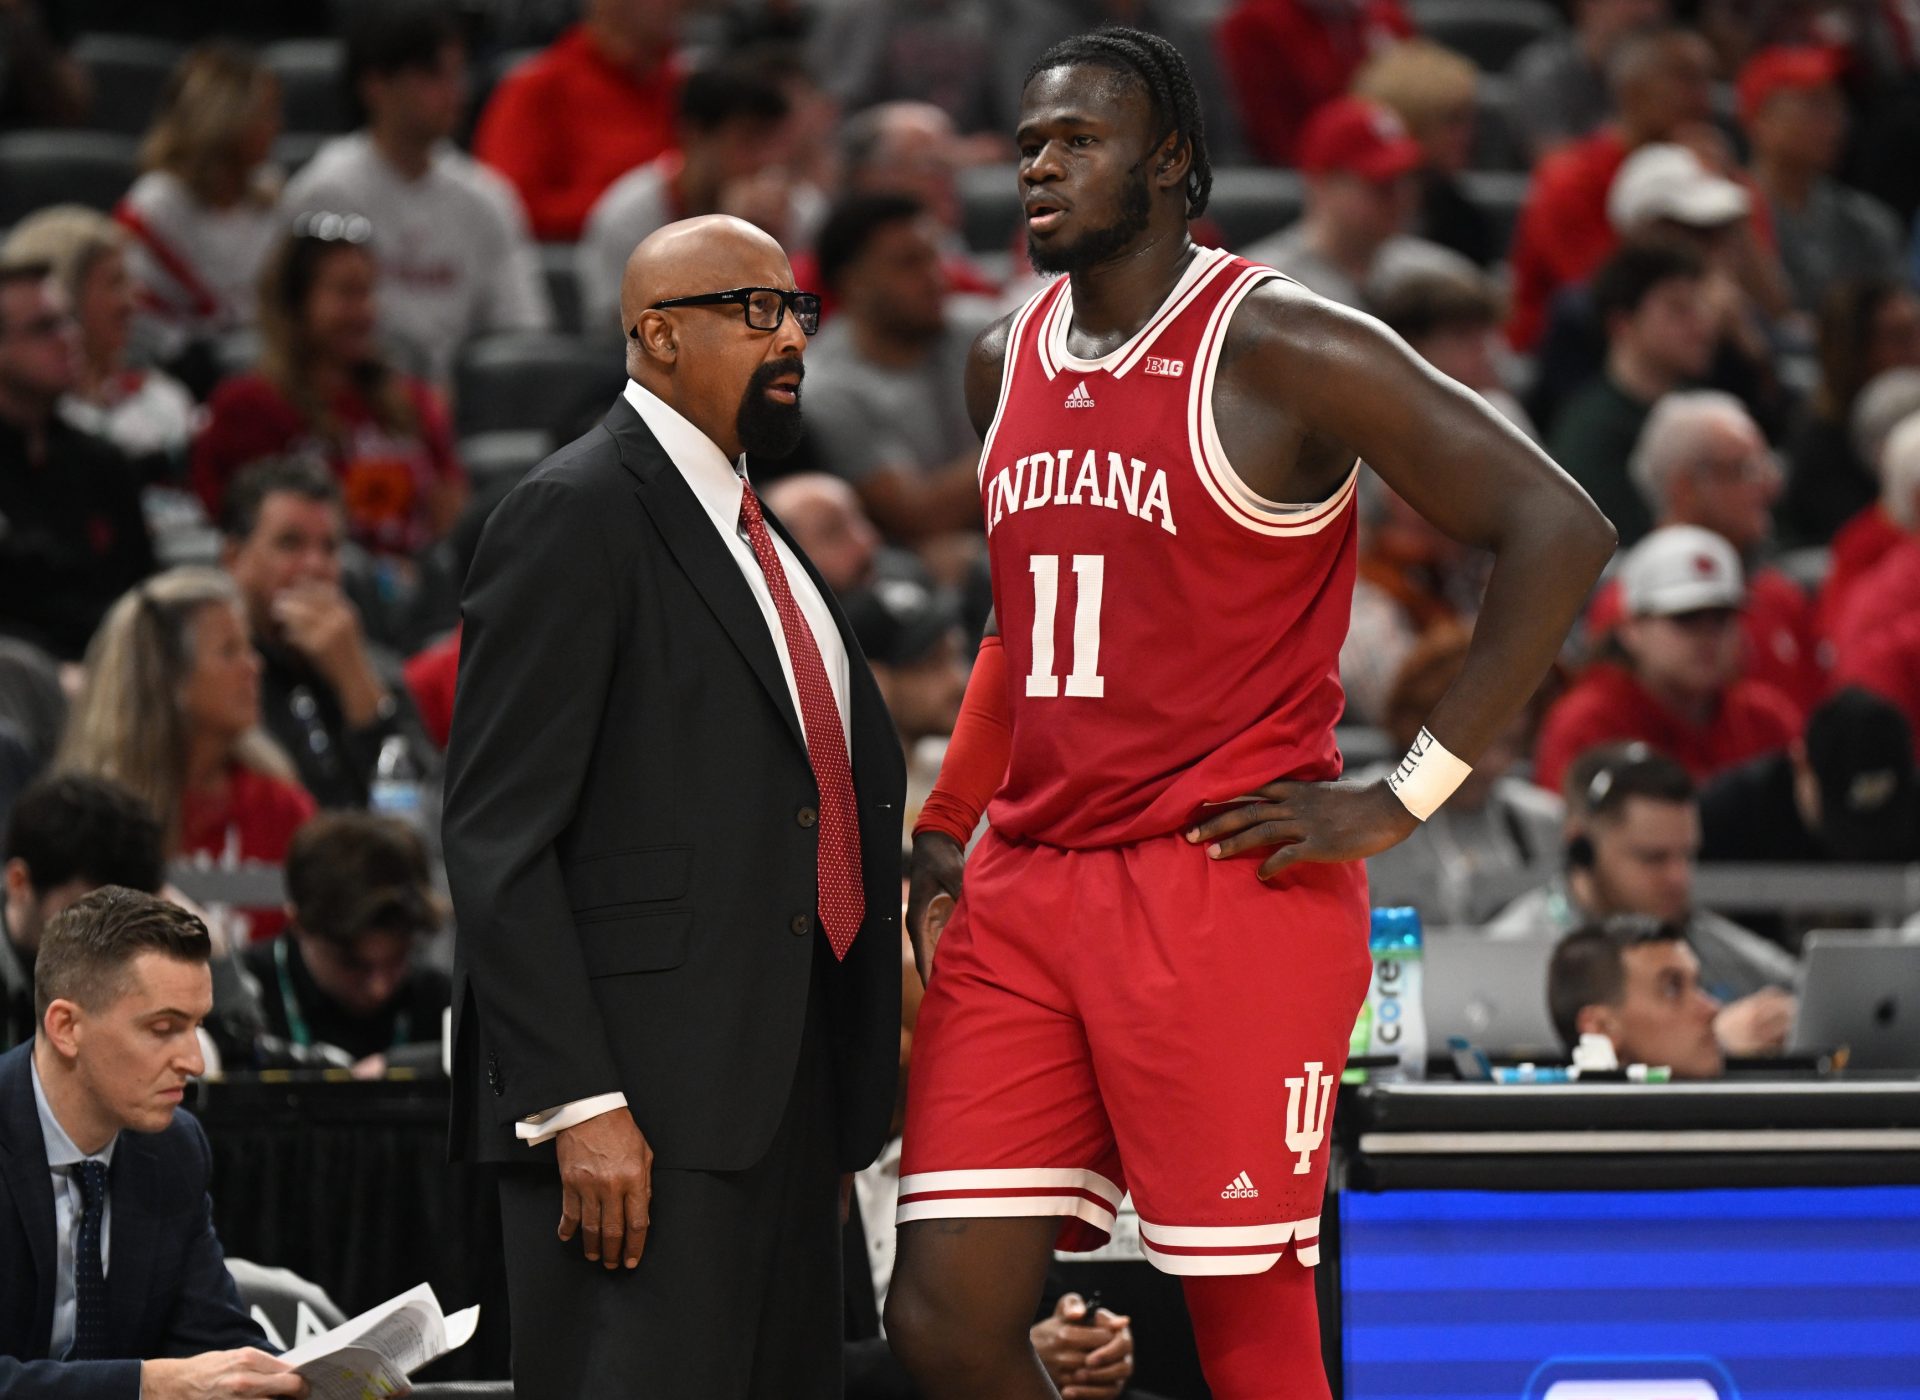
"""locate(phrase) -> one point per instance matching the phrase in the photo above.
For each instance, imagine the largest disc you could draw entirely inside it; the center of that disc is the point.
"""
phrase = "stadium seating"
(38, 168)
(1490, 32)
(1252, 201)
(558, 267)
(553, 383)
(1499, 194)
(313, 91)
(129, 73)
(503, 455)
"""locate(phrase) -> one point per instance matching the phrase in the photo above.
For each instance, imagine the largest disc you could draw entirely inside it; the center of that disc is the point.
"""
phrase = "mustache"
(778, 369)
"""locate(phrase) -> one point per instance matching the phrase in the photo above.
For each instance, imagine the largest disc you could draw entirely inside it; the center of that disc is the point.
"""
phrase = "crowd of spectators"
(245, 450)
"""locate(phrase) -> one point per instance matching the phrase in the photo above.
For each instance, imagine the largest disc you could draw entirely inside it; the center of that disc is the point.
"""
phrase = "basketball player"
(1151, 979)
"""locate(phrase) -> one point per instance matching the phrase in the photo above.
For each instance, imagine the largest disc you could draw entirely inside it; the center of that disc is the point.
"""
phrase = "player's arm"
(1349, 386)
(976, 757)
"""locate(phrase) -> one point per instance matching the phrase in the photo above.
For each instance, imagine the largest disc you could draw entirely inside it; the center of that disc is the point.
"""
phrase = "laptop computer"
(1862, 990)
(1492, 991)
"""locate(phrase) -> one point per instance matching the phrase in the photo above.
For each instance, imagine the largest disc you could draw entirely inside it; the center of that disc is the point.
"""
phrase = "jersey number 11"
(1084, 679)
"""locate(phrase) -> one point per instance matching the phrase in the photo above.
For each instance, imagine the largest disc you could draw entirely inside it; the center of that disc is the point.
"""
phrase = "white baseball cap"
(1665, 181)
(1681, 569)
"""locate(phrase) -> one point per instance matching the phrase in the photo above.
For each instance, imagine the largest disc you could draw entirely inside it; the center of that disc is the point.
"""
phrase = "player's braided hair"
(1158, 66)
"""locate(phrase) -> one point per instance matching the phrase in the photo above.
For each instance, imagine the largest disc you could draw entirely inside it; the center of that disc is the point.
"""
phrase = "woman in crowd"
(202, 216)
(322, 387)
(171, 711)
(145, 413)
(1866, 328)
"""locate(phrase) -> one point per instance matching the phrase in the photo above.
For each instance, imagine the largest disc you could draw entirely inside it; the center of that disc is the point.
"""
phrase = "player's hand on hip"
(939, 865)
(1307, 821)
(606, 1187)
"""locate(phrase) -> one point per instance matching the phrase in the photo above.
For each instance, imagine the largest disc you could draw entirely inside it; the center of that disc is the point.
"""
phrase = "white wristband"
(1427, 776)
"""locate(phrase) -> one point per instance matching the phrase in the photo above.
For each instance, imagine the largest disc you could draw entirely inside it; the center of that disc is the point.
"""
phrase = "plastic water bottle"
(398, 791)
(1393, 1021)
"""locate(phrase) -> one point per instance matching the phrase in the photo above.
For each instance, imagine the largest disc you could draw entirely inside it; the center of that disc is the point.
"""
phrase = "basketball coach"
(673, 834)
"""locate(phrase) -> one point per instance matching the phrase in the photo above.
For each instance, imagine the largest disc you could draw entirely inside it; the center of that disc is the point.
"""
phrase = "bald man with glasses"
(673, 833)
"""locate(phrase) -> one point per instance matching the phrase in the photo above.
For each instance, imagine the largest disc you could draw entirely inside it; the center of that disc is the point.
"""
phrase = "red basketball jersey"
(1172, 638)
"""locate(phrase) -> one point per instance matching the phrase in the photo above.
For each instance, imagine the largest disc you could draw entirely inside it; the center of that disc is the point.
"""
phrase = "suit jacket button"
(806, 816)
(802, 925)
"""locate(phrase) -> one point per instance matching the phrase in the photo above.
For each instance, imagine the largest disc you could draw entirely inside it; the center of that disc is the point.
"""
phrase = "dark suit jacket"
(631, 830)
(168, 1290)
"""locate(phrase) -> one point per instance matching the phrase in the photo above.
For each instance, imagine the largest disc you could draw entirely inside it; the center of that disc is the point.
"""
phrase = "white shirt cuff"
(536, 1128)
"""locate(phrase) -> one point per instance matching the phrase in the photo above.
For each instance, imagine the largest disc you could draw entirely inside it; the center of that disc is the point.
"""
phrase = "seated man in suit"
(112, 1283)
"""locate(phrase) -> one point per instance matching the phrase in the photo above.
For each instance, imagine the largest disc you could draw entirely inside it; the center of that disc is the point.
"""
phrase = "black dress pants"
(737, 1296)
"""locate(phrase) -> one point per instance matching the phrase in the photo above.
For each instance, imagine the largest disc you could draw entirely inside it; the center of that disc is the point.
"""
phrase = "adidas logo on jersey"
(1241, 1188)
(1080, 398)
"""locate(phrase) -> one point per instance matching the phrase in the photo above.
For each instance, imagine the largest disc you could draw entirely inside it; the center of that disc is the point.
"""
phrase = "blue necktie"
(89, 1283)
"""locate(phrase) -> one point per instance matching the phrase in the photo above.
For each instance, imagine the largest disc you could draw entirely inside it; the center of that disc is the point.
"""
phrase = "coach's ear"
(655, 338)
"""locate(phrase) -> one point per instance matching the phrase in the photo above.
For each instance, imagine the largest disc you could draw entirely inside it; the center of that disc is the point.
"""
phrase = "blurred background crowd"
(284, 313)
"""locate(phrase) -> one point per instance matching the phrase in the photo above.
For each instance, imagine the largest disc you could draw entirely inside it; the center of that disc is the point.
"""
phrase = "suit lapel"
(696, 546)
(23, 1163)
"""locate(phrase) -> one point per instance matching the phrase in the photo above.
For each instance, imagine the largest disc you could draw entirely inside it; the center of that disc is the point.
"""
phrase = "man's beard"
(1097, 245)
(766, 428)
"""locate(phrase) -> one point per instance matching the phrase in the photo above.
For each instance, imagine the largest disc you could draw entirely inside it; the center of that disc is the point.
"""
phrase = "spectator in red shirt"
(1890, 590)
(323, 388)
(1287, 58)
(1674, 681)
(430, 680)
(1701, 461)
(1663, 87)
(1864, 540)
(171, 711)
(583, 112)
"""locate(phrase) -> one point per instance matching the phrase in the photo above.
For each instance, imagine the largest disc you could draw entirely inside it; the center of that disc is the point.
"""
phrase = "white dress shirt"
(68, 1206)
(716, 483)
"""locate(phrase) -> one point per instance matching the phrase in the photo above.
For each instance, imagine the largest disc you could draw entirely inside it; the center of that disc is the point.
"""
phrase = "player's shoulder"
(1281, 324)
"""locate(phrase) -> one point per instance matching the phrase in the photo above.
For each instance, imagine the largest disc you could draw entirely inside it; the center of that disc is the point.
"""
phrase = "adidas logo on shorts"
(1241, 1188)
(1080, 398)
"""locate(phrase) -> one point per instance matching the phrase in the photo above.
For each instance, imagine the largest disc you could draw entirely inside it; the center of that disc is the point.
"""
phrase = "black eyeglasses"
(766, 307)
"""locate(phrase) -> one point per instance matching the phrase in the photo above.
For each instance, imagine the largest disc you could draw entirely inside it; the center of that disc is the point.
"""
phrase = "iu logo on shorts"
(1309, 1098)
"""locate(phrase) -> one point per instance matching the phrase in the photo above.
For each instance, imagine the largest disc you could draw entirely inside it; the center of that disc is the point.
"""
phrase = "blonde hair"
(69, 239)
(211, 102)
(127, 725)
(1422, 81)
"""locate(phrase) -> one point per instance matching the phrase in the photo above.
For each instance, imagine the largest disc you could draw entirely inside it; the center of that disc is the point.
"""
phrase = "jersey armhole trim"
(1239, 501)
(1014, 332)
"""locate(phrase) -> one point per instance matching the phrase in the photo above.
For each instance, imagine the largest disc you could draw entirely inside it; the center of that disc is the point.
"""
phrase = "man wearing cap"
(1666, 192)
(1795, 119)
(344, 973)
(1362, 194)
(1702, 461)
(1673, 679)
(1662, 85)
(1843, 793)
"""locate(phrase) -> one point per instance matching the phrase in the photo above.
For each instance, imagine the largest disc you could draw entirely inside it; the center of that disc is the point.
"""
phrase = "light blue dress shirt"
(62, 1156)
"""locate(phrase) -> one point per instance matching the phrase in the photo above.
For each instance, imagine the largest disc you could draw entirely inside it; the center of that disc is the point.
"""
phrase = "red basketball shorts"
(1138, 1018)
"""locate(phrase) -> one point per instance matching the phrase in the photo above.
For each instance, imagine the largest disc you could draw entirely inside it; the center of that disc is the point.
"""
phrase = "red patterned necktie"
(843, 902)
